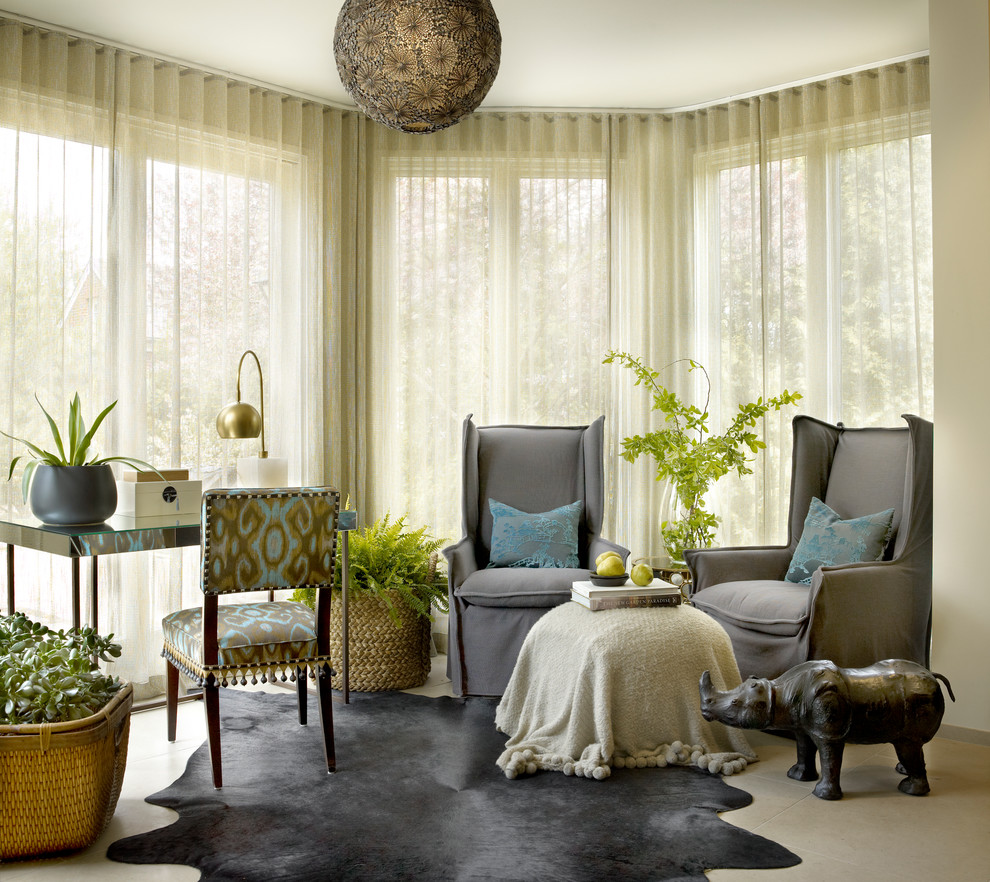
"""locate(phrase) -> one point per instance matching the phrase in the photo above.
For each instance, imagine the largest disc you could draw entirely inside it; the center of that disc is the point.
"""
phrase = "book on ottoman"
(657, 593)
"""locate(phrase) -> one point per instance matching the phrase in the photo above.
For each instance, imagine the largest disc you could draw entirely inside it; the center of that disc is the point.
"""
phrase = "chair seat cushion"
(248, 634)
(763, 605)
(537, 587)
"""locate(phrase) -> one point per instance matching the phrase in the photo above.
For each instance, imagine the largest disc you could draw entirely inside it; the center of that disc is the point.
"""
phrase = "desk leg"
(345, 582)
(94, 595)
(10, 580)
(76, 606)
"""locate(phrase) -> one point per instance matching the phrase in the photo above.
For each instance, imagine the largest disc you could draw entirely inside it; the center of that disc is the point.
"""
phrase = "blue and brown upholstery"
(258, 540)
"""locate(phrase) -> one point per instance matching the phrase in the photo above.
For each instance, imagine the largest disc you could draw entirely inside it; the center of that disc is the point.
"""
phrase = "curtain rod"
(168, 59)
(705, 105)
(337, 105)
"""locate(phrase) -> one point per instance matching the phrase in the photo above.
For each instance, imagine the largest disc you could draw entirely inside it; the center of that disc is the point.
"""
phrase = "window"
(138, 260)
(496, 300)
(816, 277)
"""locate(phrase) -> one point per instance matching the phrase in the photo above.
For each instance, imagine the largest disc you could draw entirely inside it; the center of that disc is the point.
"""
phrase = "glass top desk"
(115, 536)
(123, 534)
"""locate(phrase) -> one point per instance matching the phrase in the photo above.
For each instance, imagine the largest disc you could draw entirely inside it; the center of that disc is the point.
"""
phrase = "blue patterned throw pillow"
(827, 540)
(523, 539)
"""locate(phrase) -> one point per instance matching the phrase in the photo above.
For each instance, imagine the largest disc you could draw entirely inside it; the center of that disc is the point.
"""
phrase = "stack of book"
(657, 593)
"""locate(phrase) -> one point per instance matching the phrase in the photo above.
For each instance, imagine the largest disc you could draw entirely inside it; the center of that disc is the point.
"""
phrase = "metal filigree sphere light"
(417, 65)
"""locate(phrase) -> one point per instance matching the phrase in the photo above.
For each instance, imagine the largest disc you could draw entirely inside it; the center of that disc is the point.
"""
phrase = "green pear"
(611, 566)
(642, 574)
(604, 554)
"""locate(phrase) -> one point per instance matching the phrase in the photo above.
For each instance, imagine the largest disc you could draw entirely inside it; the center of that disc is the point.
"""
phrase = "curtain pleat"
(484, 237)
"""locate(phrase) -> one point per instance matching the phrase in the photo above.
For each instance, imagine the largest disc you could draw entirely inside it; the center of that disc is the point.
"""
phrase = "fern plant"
(397, 564)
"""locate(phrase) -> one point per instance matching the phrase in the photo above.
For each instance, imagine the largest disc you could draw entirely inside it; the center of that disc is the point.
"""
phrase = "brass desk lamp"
(240, 419)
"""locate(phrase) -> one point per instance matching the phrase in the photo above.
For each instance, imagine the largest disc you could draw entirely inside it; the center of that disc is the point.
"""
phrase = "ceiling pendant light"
(417, 65)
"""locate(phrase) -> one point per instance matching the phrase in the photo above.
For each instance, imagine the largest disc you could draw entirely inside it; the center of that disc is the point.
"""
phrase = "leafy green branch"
(685, 451)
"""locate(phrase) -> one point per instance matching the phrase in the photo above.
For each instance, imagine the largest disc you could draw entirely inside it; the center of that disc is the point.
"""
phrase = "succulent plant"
(49, 676)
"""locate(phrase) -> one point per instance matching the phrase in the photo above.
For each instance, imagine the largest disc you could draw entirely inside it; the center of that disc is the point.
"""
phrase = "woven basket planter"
(380, 655)
(61, 781)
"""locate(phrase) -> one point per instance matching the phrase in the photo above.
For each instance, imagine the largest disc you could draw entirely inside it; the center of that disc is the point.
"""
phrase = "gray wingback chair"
(853, 614)
(533, 469)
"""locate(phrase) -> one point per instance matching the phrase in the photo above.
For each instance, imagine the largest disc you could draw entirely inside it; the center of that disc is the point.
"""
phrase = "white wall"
(960, 100)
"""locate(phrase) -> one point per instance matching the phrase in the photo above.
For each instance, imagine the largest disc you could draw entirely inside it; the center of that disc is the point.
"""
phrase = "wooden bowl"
(609, 581)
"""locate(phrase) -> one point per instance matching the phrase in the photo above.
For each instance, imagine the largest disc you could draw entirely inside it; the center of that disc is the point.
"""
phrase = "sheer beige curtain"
(163, 220)
(488, 294)
(782, 241)
(654, 313)
(814, 224)
(157, 221)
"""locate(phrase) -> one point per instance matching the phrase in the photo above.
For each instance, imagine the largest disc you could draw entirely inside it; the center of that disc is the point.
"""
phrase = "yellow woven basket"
(61, 781)
(380, 655)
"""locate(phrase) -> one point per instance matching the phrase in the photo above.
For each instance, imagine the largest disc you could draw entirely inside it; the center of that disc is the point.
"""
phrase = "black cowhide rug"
(417, 795)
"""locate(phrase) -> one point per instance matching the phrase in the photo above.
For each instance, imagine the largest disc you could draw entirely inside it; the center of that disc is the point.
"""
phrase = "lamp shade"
(417, 65)
(239, 420)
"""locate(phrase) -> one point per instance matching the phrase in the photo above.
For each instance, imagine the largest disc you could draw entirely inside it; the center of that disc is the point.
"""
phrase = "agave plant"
(73, 452)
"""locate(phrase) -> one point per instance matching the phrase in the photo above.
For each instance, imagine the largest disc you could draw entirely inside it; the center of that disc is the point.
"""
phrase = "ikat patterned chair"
(257, 540)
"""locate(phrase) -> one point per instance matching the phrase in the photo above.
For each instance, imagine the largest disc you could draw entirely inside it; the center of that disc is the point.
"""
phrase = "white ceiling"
(555, 53)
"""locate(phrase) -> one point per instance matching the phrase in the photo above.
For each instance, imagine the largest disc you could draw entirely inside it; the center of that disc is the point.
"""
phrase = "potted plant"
(688, 456)
(63, 736)
(62, 486)
(394, 585)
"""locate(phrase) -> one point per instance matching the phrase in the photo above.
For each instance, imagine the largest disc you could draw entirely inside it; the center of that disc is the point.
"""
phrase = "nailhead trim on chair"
(296, 492)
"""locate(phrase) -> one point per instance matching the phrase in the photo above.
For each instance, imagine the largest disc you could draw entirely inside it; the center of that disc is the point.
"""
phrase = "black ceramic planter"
(73, 495)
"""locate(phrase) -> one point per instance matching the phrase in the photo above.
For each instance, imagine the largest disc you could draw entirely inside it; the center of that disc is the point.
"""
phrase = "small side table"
(664, 568)
(126, 534)
(121, 534)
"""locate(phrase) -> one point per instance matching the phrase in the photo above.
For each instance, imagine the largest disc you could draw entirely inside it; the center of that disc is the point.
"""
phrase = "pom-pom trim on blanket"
(592, 764)
(593, 691)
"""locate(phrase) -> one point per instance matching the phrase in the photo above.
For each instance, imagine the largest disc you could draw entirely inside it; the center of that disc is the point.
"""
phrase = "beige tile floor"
(875, 833)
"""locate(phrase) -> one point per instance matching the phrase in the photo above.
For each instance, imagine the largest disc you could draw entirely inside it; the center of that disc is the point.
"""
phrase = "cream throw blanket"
(592, 690)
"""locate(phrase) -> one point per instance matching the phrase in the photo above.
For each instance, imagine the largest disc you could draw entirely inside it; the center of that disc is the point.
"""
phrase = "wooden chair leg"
(211, 701)
(171, 697)
(301, 693)
(326, 716)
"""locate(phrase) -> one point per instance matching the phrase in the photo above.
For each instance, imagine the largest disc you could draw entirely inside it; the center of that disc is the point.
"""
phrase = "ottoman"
(593, 690)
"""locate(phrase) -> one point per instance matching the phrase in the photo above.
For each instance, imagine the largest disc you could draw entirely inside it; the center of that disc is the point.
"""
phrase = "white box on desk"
(143, 499)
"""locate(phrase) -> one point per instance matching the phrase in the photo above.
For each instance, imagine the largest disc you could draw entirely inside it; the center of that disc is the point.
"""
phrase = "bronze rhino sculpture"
(826, 706)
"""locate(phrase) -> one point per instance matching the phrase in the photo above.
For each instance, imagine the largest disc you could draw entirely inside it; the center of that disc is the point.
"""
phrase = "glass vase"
(673, 510)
